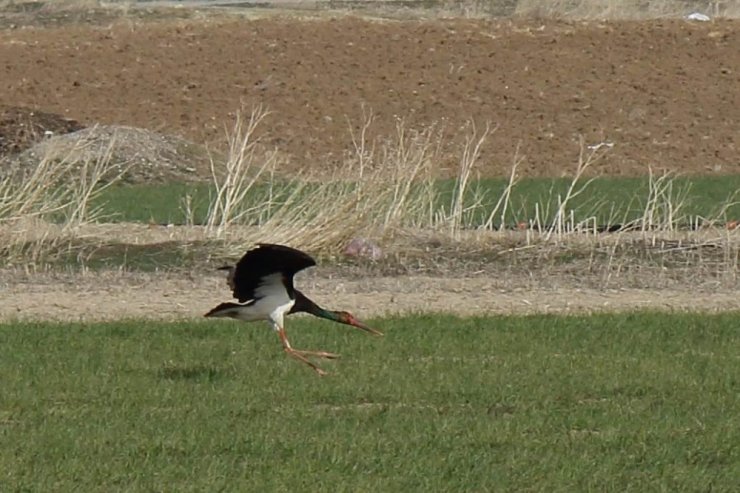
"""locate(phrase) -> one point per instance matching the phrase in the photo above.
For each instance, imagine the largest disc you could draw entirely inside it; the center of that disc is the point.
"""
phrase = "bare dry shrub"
(244, 166)
(381, 189)
(564, 221)
(503, 203)
(460, 210)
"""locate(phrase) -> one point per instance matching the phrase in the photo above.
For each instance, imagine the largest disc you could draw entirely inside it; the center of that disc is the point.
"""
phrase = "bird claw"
(318, 354)
(301, 356)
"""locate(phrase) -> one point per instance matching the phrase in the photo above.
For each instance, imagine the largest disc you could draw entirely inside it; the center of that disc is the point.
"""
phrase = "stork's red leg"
(297, 354)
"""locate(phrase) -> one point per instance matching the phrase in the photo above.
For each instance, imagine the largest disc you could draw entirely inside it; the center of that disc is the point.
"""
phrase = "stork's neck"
(328, 314)
(304, 304)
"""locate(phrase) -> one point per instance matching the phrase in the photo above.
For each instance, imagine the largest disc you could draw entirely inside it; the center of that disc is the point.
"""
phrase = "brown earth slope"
(665, 93)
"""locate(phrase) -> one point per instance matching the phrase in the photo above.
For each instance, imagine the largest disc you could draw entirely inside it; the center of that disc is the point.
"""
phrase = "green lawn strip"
(609, 200)
(627, 402)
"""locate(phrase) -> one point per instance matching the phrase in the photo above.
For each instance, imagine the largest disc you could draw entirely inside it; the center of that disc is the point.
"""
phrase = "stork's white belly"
(270, 309)
(273, 302)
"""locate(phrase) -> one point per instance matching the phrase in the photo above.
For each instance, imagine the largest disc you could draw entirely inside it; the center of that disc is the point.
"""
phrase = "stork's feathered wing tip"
(266, 260)
(229, 275)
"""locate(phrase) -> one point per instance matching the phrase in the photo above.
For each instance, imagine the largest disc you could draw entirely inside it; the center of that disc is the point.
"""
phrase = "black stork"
(262, 281)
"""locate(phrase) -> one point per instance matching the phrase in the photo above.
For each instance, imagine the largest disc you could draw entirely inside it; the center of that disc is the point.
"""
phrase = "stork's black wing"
(254, 268)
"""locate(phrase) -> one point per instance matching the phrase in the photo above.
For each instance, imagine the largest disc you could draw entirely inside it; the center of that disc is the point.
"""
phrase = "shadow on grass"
(197, 372)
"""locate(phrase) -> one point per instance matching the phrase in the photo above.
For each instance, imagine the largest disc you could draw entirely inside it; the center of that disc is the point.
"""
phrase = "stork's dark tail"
(224, 310)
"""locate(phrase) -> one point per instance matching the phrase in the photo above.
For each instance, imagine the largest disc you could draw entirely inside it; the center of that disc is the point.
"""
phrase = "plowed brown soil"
(665, 93)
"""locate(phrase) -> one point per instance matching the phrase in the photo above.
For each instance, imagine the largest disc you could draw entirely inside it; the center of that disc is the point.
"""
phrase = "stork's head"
(349, 319)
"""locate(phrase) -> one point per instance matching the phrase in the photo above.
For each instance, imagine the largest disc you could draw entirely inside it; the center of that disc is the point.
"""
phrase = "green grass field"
(629, 402)
(610, 200)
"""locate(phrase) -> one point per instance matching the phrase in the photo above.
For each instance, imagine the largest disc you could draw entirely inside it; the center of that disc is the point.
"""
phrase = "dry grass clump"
(386, 193)
(44, 210)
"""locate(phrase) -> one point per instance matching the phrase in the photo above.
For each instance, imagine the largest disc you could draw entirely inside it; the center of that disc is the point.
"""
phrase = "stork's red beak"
(356, 323)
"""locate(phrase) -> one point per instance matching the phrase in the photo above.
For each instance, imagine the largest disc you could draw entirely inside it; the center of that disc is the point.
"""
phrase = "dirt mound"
(138, 155)
(20, 128)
